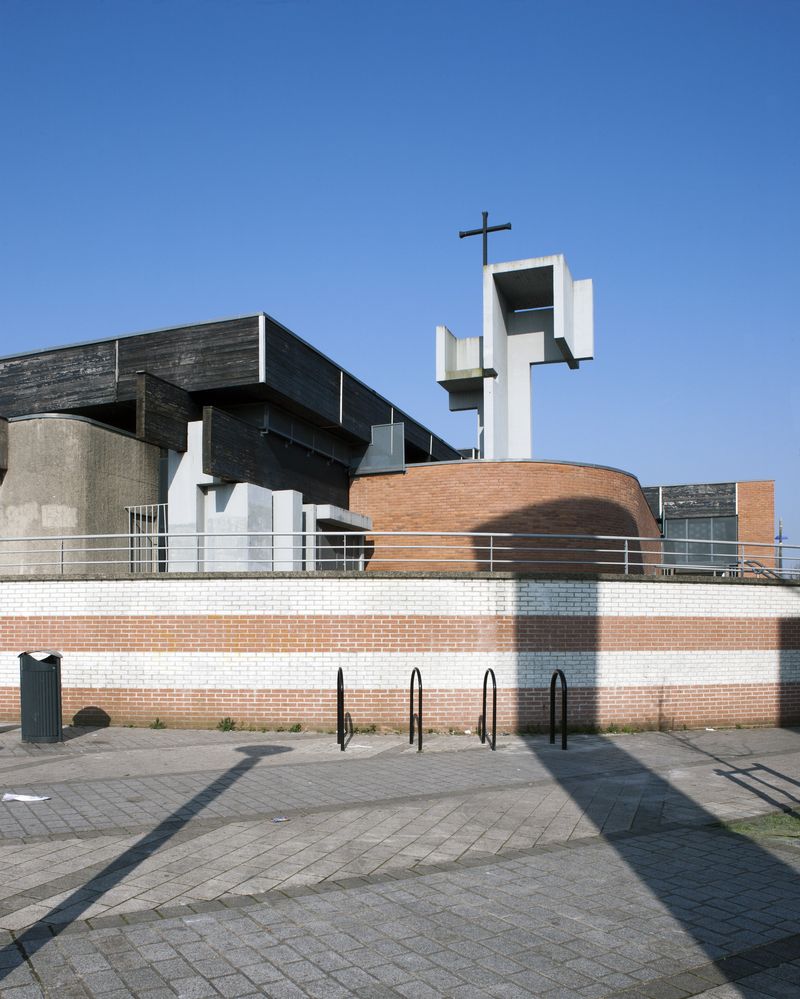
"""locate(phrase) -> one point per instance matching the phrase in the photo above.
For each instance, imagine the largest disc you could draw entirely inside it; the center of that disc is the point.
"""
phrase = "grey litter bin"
(40, 696)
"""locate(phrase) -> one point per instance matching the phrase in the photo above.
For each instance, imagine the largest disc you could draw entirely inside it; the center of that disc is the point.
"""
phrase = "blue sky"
(165, 162)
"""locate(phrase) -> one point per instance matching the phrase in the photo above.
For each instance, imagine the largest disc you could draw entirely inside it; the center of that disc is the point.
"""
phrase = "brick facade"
(264, 650)
(527, 497)
(755, 503)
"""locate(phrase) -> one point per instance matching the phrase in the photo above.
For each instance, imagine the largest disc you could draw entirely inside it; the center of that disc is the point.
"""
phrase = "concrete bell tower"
(533, 313)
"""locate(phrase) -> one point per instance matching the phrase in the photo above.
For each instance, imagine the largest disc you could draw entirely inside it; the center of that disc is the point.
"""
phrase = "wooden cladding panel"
(362, 408)
(237, 451)
(55, 380)
(301, 374)
(416, 434)
(717, 499)
(651, 495)
(443, 451)
(194, 358)
(162, 412)
(233, 449)
(294, 467)
(3, 444)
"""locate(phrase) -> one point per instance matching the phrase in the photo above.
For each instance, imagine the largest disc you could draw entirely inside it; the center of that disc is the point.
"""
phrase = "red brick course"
(643, 707)
(394, 633)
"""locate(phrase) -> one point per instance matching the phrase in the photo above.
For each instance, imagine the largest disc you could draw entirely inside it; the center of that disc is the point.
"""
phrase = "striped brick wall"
(264, 650)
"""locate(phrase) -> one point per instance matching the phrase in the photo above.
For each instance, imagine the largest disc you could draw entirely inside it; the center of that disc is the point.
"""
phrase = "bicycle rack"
(411, 716)
(558, 673)
(482, 719)
(344, 722)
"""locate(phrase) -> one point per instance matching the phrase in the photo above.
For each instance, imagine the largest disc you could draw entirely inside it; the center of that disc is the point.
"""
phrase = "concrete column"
(287, 525)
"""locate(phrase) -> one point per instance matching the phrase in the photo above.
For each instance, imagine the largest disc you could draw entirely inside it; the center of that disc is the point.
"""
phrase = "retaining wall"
(264, 650)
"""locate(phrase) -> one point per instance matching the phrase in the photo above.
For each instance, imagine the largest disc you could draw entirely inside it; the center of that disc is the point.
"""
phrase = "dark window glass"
(692, 541)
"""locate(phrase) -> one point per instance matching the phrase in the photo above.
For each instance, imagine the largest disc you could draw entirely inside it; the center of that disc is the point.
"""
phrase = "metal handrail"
(411, 716)
(482, 720)
(495, 552)
(560, 675)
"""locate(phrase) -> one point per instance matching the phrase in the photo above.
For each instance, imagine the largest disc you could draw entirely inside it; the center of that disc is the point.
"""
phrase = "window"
(697, 541)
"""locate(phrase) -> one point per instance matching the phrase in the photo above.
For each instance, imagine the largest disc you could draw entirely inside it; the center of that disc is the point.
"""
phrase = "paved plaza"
(243, 864)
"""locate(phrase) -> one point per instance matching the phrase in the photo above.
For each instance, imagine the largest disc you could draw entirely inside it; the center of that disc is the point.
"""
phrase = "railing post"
(340, 709)
(560, 675)
(493, 739)
(411, 716)
(626, 556)
(491, 560)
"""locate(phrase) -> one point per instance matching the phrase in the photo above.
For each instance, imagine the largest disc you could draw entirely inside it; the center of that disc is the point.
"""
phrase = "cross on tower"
(484, 231)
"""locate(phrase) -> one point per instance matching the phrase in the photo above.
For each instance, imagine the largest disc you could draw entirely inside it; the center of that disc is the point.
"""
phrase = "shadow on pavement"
(31, 940)
(726, 893)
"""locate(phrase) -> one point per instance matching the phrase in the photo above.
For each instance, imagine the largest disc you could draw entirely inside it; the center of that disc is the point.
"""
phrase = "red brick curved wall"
(520, 497)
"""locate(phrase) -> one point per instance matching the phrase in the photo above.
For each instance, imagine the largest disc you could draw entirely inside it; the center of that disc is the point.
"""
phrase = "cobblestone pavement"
(157, 867)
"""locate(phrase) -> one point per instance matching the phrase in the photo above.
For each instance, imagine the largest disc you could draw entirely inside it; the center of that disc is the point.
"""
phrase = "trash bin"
(40, 696)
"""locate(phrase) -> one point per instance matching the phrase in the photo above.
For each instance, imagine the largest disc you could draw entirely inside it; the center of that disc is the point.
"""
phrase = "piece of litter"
(24, 797)
(711, 730)
(280, 818)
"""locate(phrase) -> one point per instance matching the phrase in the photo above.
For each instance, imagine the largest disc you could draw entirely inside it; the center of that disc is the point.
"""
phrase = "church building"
(199, 441)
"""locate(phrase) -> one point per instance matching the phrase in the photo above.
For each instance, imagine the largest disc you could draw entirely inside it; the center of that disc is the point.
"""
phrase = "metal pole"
(340, 709)
(560, 675)
(493, 739)
(626, 556)
(415, 672)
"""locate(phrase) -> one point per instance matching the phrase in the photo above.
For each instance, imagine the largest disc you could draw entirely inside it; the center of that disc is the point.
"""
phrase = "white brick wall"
(369, 595)
(385, 671)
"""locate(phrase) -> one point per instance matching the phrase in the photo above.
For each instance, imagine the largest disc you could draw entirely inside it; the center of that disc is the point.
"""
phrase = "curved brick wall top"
(524, 497)
(518, 496)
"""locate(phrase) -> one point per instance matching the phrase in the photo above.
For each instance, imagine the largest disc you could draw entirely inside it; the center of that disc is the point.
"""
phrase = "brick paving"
(157, 869)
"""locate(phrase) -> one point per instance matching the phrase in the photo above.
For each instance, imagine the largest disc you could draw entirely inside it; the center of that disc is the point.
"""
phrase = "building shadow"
(789, 662)
(579, 516)
(625, 799)
(31, 940)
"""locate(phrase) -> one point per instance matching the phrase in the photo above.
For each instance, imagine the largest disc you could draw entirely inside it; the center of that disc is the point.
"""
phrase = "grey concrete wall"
(68, 476)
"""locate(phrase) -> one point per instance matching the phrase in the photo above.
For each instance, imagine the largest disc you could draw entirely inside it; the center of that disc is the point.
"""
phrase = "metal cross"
(484, 231)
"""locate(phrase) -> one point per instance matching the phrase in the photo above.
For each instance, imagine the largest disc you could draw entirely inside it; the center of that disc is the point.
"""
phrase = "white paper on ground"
(24, 797)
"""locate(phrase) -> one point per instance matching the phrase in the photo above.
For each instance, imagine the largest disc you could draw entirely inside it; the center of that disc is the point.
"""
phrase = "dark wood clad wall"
(162, 412)
(232, 449)
(220, 360)
(442, 451)
(213, 355)
(361, 408)
(319, 480)
(651, 495)
(3, 444)
(301, 374)
(717, 499)
(417, 434)
(237, 451)
(58, 379)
